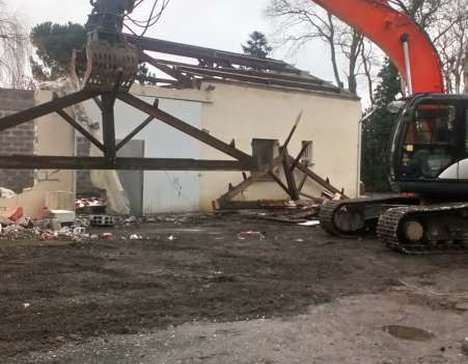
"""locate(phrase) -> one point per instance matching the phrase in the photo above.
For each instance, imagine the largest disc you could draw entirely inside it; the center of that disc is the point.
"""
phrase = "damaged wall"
(48, 135)
(174, 191)
(241, 112)
(244, 112)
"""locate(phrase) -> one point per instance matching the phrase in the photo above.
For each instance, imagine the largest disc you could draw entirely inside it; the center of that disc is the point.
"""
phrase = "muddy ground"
(198, 271)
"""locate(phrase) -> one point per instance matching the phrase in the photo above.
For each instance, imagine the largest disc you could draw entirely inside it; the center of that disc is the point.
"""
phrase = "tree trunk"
(466, 72)
(333, 57)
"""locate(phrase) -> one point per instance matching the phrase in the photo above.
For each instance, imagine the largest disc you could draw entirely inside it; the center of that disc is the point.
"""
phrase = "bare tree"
(446, 22)
(301, 21)
(452, 40)
(14, 50)
(466, 72)
(351, 55)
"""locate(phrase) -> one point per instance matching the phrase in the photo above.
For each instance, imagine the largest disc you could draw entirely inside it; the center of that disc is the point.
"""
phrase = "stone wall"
(18, 140)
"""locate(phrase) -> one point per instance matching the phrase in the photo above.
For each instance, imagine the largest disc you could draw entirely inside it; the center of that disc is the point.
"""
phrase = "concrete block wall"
(18, 140)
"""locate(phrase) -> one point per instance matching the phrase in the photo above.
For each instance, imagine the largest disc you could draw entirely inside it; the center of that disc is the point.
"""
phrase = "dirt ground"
(257, 298)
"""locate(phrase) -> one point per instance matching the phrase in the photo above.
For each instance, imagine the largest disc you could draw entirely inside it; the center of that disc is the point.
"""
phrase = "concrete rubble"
(83, 228)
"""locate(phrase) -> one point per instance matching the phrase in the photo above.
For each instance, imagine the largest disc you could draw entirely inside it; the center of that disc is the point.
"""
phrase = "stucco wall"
(174, 191)
(247, 112)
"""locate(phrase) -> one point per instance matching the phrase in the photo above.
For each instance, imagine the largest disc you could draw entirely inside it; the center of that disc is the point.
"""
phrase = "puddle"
(408, 333)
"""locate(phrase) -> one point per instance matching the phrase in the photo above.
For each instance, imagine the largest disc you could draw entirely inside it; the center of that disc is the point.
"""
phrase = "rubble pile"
(83, 228)
(297, 212)
(47, 229)
(90, 205)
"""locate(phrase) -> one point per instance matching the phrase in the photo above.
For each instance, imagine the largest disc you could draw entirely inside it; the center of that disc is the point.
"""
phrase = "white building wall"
(241, 112)
(245, 112)
(163, 191)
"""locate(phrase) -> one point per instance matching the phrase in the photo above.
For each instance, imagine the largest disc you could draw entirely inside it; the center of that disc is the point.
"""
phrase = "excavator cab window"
(430, 143)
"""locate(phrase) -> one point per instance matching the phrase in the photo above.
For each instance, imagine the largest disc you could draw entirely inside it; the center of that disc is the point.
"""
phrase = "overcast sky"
(222, 24)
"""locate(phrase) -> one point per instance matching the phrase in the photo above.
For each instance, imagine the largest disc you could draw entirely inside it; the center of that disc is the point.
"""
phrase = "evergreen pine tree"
(377, 132)
(257, 45)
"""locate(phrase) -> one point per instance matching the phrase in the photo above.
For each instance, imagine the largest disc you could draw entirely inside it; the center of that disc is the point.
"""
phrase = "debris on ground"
(297, 212)
(250, 235)
(16, 214)
(310, 223)
(102, 220)
(90, 205)
(63, 216)
(465, 346)
(6, 193)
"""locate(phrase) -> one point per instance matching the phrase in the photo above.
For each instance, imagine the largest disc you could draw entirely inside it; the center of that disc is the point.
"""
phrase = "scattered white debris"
(6, 193)
(310, 223)
(63, 216)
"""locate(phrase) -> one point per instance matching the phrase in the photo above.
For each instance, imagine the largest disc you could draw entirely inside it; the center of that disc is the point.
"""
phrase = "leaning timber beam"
(184, 127)
(100, 163)
(316, 178)
(46, 108)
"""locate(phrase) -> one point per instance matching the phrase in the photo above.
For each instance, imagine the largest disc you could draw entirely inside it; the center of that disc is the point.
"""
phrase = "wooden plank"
(290, 178)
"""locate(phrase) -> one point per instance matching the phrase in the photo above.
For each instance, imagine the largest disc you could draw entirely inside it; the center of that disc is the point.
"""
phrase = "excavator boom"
(390, 29)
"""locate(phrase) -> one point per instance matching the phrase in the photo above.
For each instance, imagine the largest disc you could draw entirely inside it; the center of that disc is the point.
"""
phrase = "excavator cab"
(430, 146)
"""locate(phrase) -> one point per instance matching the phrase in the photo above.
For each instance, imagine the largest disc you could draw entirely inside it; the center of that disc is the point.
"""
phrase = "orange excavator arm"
(404, 42)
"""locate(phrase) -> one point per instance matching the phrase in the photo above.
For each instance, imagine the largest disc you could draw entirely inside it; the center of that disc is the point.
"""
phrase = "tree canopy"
(54, 45)
(257, 45)
(377, 131)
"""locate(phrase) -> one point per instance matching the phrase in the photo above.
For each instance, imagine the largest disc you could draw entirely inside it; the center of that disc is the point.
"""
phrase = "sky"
(221, 24)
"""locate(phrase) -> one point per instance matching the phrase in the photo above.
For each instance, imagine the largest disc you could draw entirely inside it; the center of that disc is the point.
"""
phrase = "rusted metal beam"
(134, 133)
(166, 69)
(98, 102)
(184, 127)
(247, 72)
(300, 155)
(108, 125)
(279, 182)
(284, 147)
(316, 178)
(139, 128)
(46, 108)
(80, 129)
(149, 164)
(265, 79)
(215, 55)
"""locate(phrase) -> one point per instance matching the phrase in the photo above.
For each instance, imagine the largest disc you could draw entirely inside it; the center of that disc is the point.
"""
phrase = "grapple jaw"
(105, 65)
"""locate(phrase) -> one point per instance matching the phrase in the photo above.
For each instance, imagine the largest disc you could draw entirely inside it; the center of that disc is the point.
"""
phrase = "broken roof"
(217, 65)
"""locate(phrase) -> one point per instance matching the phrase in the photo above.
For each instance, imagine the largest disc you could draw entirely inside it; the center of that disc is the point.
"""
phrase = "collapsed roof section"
(216, 65)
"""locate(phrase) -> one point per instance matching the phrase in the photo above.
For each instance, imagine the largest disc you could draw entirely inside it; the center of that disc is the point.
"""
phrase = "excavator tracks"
(425, 229)
(352, 218)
